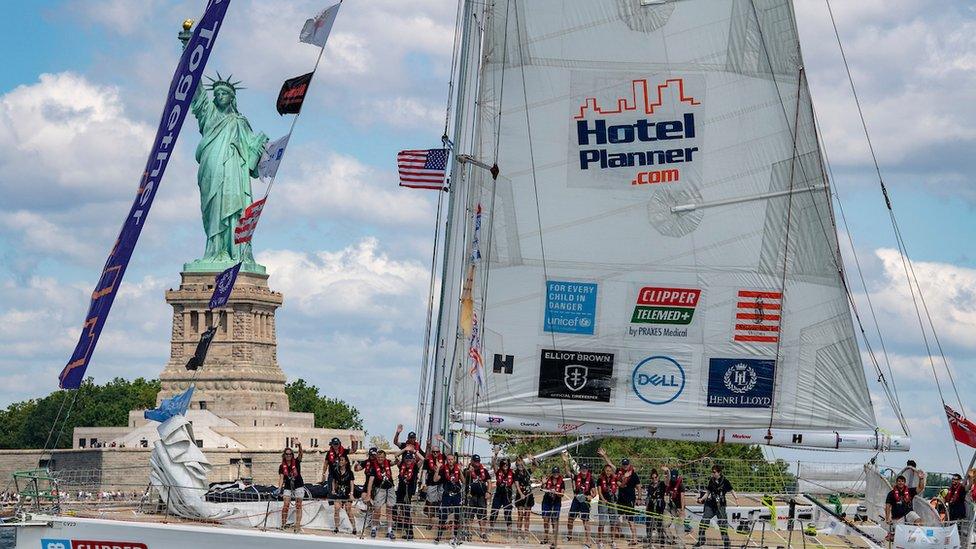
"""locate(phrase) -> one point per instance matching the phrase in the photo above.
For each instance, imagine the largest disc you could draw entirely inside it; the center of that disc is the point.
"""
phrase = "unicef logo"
(740, 378)
(658, 380)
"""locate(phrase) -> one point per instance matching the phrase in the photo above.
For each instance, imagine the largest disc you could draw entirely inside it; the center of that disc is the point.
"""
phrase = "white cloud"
(342, 186)
(65, 134)
(357, 280)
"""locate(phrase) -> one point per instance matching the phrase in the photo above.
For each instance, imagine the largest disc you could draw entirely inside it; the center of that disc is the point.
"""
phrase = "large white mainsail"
(659, 250)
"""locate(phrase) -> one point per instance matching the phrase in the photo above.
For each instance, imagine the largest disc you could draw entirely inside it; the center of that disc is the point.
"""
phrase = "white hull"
(51, 532)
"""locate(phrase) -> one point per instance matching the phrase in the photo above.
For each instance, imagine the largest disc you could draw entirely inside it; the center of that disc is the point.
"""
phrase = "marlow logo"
(665, 305)
(658, 380)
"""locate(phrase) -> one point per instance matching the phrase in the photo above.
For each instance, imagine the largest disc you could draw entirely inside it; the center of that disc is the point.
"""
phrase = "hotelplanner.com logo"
(90, 544)
(608, 139)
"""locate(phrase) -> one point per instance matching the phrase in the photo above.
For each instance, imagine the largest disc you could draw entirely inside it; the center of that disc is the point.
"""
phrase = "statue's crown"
(225, 82)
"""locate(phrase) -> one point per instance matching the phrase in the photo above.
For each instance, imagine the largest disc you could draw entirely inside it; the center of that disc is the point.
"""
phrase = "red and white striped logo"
(757, 315)
(248, 222)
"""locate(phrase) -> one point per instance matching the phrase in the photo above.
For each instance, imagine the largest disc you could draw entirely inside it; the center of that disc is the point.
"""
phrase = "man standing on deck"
(898, 504)
(331, 464)
(379, 490)
(408, 470)
(714, 501)
(955, 499)
(432, 463)
(584, 489)
(629, 484)
(476, 479)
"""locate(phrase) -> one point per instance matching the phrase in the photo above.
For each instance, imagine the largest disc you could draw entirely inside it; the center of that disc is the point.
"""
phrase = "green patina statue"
(228, 155)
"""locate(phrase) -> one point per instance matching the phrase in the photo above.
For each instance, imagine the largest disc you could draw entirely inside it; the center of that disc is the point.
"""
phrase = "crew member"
(434, 461)
(408, 471)
(450, 478)
(675, 497)
(608, 484)
(341, 488)
(956, 499)
(411, 444)
(379, 490)
(291, 484)
(524, 499)
(898, 504)
(553, 487)
(584, 488)
(655, 505)
(476, 479)
(714, 501)
(629, 484)
(504, 490)
(330, 465)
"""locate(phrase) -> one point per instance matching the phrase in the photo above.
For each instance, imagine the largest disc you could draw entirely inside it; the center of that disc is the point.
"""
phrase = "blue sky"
(81, 95)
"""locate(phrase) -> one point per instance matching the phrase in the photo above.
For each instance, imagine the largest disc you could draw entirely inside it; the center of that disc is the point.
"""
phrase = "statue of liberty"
(228, 155)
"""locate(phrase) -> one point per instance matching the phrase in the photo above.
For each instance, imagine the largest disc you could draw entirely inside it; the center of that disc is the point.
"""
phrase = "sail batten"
(662, 250)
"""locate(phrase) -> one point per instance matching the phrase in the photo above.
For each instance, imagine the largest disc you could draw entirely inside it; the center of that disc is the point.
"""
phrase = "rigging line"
(491, 215)
(535, 181)
(902, 249)
(786, 237)
(425, 366)
(793, 161)
(455, 53)
(54, 424)
(893, 399)
(67, 416)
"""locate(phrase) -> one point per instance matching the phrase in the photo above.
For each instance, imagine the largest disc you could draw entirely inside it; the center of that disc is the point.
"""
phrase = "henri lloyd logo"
(575, 375)
(646, 128)
(740, 383)
(658, 380)
(658, 309)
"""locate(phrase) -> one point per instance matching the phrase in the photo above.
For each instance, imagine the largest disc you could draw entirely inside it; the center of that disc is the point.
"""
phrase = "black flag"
(292, 94)
(197, 360)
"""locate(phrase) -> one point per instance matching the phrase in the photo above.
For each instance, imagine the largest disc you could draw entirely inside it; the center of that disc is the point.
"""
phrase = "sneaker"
(391, 535)
(437, 540)
(354, 531)
(372, 532)
(586, 546)
(335, 530)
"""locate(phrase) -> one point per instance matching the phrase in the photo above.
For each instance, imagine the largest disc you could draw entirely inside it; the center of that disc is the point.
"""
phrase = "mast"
(445, 334)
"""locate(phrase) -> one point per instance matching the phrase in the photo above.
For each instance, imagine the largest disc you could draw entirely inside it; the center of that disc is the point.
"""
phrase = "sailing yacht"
(639, 242)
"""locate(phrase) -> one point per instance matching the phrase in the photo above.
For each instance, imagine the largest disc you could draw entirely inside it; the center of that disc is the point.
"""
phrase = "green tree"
(51, 419)
(330, 413)
(744, 465)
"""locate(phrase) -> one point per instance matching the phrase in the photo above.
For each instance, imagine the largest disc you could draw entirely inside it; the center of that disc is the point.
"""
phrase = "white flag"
(316, 30)
(271, 158)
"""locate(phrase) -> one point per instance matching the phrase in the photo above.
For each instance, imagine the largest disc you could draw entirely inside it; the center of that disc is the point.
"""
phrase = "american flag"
(248, 222)
(757, 316)
(423, 169)
(474, 352)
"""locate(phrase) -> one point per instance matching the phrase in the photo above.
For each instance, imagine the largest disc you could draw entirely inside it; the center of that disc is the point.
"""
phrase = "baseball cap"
(476, 458)
(411, 434)
(625, 461)
(408, 455)
(585, 466)
(555, 468)
(372, 451)
(334, 441)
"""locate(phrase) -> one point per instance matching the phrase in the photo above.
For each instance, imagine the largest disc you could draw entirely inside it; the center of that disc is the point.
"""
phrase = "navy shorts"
(550, 509)
(579, 509)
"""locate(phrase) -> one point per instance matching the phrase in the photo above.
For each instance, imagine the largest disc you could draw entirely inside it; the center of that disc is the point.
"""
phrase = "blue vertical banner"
(187, 77)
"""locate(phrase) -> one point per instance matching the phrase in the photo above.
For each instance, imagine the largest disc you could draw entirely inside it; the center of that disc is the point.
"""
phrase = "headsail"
(659, 248)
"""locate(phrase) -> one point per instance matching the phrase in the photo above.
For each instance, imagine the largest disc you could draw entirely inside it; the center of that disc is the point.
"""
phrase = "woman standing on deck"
(340, 490)
(291, 484)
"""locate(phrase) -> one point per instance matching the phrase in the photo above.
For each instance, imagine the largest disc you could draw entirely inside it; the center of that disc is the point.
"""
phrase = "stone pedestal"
(241, 371)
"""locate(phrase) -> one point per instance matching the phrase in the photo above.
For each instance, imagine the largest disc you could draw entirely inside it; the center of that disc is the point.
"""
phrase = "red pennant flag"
(248, 222)
(963, 429)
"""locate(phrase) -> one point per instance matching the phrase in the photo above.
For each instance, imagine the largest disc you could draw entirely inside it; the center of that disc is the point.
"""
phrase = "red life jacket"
(903, 495)
(674, 489)
(505, 478)
(608, 485)
(480, 472)
(382, 470)
(955, 494)
(434, 461)
(554, 483)
(290, 470)
(582, 484)
(407, 470)
(334, 454)
(452, 474)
